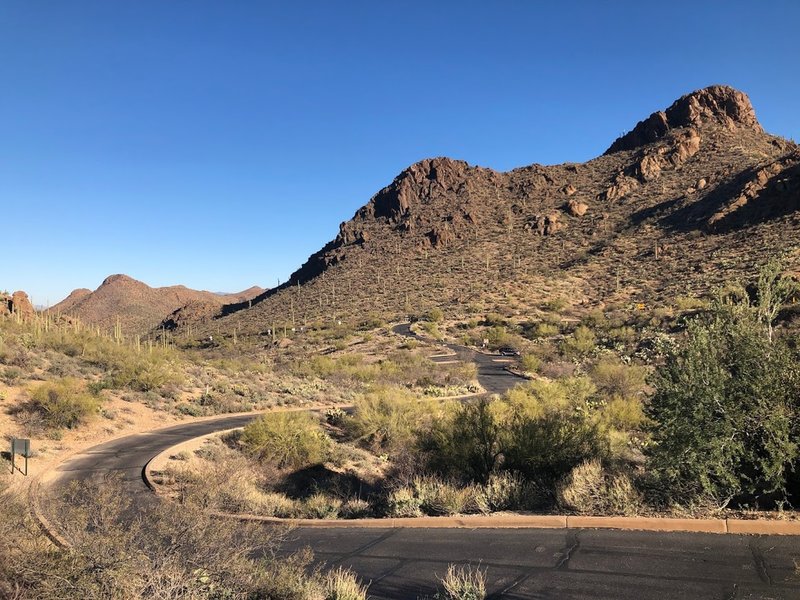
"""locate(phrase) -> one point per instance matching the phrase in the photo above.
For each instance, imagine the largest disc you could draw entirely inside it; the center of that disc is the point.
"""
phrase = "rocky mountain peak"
(721, 105)
(118, 278)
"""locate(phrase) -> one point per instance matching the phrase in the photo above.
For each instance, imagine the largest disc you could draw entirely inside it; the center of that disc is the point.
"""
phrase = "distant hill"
(137, 306)
(692, 196)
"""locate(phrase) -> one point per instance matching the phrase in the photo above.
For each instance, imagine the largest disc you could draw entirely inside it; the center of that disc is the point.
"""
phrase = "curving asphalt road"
(492, 373)
(519, 563)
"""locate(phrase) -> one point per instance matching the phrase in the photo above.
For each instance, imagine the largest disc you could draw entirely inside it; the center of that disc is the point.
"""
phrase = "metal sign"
(23, 448)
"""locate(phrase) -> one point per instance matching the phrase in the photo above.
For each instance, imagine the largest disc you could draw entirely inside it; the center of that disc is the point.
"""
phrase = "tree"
(725, 410)
(772, 292)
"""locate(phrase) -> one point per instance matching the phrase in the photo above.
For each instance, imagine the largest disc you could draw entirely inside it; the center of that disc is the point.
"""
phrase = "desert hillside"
(692, 196)
(135, 305)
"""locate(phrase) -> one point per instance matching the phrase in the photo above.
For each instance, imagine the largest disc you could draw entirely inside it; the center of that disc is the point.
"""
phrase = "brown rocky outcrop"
(441, 235)
(577, 208)
(545, 224)
(415, 185)
(774, 188)
(680, 148)
(20, 303)
(718, 104)
(16, 303)
(620, 187)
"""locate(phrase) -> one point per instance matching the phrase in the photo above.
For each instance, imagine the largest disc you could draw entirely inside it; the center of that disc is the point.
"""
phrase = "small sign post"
(23, 448)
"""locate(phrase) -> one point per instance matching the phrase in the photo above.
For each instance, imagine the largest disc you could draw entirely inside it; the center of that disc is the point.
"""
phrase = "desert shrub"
(615, 378)
(403, 502)
(435, 315)
(530, 363)
(494, 320)
(624, 414)
(463, 583)
(545, 447)
(466, 441)
(11, 375)
(556, 304)
(356, 508)
(588, 489)
(541, 430)
(432, 329)
(498, 336)
(596, 318)
(725, 409)
(287, 440)
(387, 418)
(684, 303)
(239, 494)
(173, 553)
(507, 490)
(147, 371)
(623, 334)
(341, 584)
(320, 506)
(63, 403)
(580, 343)
(545, 330)
(439, 497)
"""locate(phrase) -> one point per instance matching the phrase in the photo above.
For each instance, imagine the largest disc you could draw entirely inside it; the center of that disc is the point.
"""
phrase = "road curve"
(492, 373)
(519, 563)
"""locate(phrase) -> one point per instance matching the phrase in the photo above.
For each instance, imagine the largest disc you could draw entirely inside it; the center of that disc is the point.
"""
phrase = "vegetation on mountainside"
(718, 420)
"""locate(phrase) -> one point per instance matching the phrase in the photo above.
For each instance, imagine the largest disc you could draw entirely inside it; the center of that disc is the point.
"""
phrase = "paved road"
(520, 563)
(492, 374)
(557, 564)
(563, 564)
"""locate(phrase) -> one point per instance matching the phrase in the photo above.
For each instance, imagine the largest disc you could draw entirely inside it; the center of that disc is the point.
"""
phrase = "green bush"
(63, 403)
(466, 442)
(580, 343)
(530, 363)
(403, 502)
(725, 409)
(435, 315)
(507, 490)
(545, 330)
(287, 440)
(388, 419)
(615, 378)
(541, 431)
(320, 506)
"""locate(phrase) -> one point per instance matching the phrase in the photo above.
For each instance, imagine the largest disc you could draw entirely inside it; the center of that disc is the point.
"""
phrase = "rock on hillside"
(694, 195)
(718, 104)
(16, 303)
(135, 305)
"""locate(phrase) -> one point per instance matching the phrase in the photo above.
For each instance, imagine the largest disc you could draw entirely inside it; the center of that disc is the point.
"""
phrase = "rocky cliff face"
(719, 105)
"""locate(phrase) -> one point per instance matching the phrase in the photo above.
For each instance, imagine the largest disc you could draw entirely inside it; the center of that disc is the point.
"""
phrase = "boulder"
(569, 189)
(577, 208)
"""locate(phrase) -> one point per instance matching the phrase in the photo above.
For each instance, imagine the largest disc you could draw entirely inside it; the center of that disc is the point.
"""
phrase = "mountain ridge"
(136, 306)
(695, 194)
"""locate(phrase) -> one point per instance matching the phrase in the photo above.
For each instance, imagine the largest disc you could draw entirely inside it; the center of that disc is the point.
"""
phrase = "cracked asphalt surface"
(563, 564)
(519, 563)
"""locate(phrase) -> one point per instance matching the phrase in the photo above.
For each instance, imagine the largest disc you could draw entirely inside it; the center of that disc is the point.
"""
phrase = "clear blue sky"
(218, 144)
